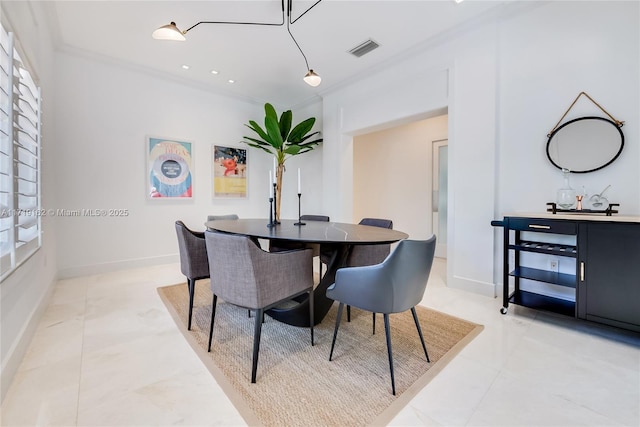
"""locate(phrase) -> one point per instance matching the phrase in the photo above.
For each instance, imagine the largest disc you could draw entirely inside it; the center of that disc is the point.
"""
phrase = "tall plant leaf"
(301, 129)
(257, 129)
(310, 135)
(285, 124)
(258, 146)
(257, 141)
(292, 150)
(269, 111)
(273, 131)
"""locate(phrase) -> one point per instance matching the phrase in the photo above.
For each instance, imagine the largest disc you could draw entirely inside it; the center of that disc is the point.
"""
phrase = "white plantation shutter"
(20, 227)
(6, 154)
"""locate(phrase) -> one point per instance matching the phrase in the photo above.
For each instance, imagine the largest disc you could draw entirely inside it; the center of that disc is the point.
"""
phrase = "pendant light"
(172, 32)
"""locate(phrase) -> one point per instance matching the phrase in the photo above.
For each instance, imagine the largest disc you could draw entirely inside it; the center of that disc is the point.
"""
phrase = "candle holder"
(271, 223)
(275, 204)
(299, 223)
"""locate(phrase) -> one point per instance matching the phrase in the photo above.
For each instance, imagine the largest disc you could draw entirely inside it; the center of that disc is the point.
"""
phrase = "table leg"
(298, 315)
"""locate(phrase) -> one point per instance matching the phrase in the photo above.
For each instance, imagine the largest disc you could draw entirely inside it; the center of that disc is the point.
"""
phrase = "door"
(439, 195)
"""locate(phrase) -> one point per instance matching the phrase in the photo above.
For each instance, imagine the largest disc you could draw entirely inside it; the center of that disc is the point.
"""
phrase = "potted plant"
(282, 141)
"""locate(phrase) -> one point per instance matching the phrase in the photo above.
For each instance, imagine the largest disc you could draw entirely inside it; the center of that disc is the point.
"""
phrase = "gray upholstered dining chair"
(362, 255)
(316, 247)
(217, 217)
(229, 217)
(242, 274)
(285, 246)
(194, 263)
(324, 218)
(393, 286)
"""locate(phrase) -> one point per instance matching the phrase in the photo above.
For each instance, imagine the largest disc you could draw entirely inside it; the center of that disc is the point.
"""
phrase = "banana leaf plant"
(279, 139)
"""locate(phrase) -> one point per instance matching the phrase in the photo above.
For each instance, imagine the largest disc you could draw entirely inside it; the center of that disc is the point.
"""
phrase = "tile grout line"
(84, 322)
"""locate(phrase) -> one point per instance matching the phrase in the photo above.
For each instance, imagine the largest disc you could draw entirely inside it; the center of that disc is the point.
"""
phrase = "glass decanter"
(566, 197)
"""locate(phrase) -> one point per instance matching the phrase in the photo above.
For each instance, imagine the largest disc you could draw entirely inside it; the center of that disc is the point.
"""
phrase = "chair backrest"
(393, 286)
(408, 268)
(377, 222)
(245, 275)
(370, 254)
(194, 262)
(314, 218)
(232, 273)
(217, 217)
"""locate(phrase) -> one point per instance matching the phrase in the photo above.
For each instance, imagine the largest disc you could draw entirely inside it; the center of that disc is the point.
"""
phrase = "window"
(20, 227)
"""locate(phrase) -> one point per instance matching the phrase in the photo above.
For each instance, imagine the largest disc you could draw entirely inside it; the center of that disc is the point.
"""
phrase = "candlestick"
(271, 223)
(299, 216)
(275, 204)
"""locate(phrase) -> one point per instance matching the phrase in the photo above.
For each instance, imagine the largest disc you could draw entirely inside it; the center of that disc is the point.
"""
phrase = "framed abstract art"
(229, 171)
(169, 169)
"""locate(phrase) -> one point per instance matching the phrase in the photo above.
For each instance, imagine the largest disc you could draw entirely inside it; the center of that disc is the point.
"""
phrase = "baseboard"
(20, 346)
(470, 285)
(108, 267)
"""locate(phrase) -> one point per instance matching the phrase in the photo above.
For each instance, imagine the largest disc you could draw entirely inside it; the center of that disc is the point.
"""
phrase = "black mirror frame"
(618, 128)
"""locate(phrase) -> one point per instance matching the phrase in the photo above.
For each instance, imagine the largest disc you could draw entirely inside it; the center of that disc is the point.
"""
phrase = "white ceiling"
(263, 60)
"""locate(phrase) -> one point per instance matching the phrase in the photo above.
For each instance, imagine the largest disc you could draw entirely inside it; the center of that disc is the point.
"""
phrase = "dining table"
(335, 239)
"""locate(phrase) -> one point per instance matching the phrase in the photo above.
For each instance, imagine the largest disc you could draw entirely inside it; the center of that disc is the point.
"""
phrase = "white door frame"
(437, 198)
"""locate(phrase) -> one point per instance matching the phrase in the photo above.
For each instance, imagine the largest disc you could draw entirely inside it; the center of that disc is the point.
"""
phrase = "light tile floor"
(108, 353)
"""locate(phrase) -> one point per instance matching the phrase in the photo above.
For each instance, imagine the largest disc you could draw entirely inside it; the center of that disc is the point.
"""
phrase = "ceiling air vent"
(364, 48)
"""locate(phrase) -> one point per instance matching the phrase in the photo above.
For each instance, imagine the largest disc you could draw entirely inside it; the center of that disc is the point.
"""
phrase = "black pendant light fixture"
(172, 32)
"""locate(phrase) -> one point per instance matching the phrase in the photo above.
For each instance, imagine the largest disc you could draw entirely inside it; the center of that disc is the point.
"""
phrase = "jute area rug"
(296, 384)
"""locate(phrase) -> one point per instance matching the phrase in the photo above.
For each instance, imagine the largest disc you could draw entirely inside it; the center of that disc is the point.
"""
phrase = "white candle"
(275, 170)
(270, 184)
(299, 187)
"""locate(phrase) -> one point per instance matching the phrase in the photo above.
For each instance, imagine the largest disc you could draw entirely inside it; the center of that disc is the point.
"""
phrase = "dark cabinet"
(609, 274)
(602, 283)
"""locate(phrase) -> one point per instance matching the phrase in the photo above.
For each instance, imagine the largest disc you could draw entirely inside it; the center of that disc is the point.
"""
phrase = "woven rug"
(296, 383)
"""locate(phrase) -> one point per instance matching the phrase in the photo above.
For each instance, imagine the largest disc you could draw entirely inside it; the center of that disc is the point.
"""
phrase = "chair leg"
(335, 332)
(388, 332)
(311, 319)
(213, 316)
(191, 284)
(374, 323)
(256, 343)
(415, 319)
(348, 313)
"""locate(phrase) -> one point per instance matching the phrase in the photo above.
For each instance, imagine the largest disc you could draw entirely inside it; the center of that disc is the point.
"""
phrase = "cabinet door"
(609, 289)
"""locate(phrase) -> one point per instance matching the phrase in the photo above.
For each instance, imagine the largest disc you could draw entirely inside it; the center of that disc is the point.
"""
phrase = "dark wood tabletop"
(312, 232)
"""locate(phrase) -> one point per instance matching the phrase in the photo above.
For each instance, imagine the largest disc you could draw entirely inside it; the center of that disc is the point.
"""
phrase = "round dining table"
(335, 239)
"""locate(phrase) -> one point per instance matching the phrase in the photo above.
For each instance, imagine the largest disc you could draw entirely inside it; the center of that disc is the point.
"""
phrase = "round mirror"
(585, 144)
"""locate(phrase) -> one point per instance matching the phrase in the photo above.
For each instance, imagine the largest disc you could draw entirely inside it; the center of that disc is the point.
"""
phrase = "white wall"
(105, 113)
(392, 175)
(24, 294)
(506, 81)
(588, 46)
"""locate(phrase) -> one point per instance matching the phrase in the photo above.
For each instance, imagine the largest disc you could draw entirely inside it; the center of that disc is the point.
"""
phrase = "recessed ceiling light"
(231, 81)
(214, 71)
(458, 1)
(185, 67)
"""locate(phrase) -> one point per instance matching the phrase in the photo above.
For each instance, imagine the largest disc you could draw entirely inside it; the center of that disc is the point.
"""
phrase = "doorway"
(439, 194)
